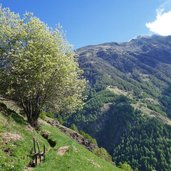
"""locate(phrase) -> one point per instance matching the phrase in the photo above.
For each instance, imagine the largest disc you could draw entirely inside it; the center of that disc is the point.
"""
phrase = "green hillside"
(16, 144)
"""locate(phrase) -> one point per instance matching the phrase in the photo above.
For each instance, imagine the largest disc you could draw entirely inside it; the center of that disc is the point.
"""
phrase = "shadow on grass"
(12, 114)
(17, 118)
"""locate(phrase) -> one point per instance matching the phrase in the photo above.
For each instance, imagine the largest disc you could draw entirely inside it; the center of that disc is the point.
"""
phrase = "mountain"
(128, 108)
(62, 152)
(141, 65)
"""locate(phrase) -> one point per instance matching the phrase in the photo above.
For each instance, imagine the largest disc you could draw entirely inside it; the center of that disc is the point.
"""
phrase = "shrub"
(74, 127)
(102, 153)
(88, 137)
(125, 166)
(43, 115)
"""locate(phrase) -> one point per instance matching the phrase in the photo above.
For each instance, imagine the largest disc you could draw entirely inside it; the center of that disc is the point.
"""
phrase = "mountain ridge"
(134, 78)
(137, 64)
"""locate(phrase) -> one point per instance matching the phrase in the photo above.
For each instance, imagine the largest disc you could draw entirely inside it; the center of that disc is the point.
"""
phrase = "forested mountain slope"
(141, 66)
(128, 108)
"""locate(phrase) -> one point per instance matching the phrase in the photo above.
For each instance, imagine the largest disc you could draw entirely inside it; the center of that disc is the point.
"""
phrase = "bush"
(74, 127)
(125, 166)
(102, 153)
(50, 114)
(88, 137)
(60, 119)
(43, 115)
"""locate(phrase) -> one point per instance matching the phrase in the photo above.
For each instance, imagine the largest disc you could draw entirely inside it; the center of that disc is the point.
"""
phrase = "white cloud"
(162, 24)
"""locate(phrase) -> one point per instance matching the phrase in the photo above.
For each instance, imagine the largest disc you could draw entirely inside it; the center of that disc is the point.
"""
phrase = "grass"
(18, 155)
(15, 155)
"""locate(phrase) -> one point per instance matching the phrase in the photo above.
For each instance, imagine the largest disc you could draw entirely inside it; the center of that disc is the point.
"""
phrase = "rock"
(7, 137)
(30, 128)
(62, 150)
(45, 135)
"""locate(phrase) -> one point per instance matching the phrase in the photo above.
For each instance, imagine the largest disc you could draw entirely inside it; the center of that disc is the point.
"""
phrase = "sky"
(87, 22)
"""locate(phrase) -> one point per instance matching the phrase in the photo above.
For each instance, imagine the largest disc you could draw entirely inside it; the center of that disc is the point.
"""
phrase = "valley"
(129, 97)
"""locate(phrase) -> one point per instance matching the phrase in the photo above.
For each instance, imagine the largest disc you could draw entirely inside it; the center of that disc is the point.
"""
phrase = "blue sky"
(96, 21)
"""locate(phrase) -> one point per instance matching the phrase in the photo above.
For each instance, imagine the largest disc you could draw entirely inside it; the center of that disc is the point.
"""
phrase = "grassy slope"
(15, 156)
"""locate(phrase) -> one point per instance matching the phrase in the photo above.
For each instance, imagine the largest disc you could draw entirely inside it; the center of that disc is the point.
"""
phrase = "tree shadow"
(18, 118)
(12, 114)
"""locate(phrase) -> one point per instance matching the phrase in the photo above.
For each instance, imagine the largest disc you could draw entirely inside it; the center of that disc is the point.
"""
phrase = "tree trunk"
(33, 121)
(32, 118)
(32, 109)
